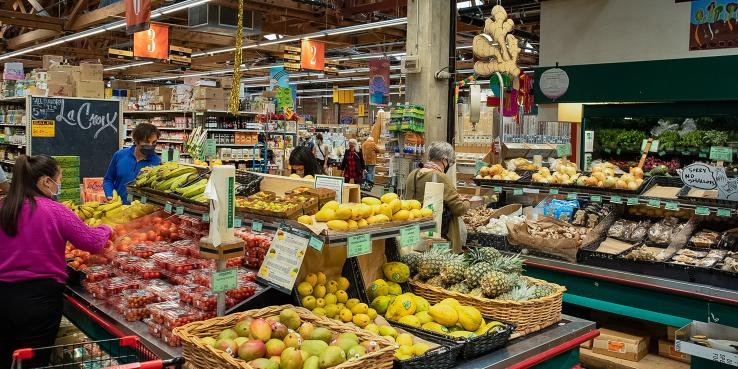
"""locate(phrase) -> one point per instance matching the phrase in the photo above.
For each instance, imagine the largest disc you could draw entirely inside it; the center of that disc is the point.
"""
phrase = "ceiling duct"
(217, 19)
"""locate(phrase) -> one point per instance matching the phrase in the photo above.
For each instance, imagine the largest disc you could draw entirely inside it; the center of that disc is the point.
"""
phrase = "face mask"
(148, 149)
(58, 189)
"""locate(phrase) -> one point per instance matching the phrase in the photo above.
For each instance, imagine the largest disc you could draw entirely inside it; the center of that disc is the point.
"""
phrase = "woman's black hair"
(26, 173)
(303, 155)
(143, 131)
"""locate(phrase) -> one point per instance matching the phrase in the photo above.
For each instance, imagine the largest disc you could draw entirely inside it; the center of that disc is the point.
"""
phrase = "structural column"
(428, 39)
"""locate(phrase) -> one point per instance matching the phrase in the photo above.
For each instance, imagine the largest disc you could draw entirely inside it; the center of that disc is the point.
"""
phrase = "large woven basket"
(528, 316)
(201, 355)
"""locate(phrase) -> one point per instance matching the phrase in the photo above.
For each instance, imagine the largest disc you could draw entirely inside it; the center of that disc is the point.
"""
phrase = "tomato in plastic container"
(234, 262)
(157, 310)
(97, 273)
(162, 258)
(129, 264)
(243, 291)
(95, 289)
(246, 275)
(180, 265)
(187, 292)
(186, 247)
(153, 327)
(202, 277)
(208, 301)
(142, 250)
(137, 298)
(135, 314)
(178, 317)
(203, 263)
(116, 285)
(204, 315)
(170, 338)
(177, 279)
(148, 270)
(162, 290)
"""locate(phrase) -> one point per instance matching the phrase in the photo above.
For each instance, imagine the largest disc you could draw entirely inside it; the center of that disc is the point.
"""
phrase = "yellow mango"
(396, 205)
(338, 225)
(444, 314)
(333, 205)
(401, 215)
(388, 197)
(343, 212)
(352, 225)
(325, 215)
(405, 205)
(371, 201)
(415, 204)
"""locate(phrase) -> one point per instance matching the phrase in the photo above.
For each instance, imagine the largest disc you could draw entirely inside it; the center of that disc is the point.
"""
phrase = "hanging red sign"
(138, 15)
(152, 43)
(312, 56)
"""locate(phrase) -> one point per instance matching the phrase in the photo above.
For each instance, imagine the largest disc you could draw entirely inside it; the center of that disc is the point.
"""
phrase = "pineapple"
(474, 273)
(521, 292)
(436, 281)
(490, 254)
(460, 287)
(477, 292)
(509, 264)
(429, 264)
(452, 271)
(496, 283)
(544, 290)
(411, 260)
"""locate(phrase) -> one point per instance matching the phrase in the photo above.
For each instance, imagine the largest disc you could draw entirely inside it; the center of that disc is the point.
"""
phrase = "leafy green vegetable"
(715, 138)
(668, 140)
(693, 139)
(630, 138)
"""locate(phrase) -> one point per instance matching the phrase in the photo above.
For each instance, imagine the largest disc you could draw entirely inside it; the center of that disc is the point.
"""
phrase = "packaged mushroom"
(730, 263)
(703, 259)
(705, 239)
(646, 253)
(628, 230)
(664, 230)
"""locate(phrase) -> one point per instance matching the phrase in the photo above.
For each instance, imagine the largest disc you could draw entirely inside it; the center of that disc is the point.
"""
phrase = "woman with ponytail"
(34, 230)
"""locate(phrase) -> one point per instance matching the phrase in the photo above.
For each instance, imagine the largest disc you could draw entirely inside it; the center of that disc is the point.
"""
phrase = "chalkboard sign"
(88, 128)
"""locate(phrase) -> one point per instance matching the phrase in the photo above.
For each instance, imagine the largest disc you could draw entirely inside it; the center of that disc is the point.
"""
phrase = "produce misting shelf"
(584, 194)
(661, 300)
(99, 321)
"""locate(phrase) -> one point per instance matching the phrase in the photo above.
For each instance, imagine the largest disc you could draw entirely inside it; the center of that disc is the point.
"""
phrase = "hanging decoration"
(235, 99)
(496, 49)
(461, 84)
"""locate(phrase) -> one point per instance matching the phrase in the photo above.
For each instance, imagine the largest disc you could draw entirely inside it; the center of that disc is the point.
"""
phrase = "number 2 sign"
(152, 43)
(312, 55)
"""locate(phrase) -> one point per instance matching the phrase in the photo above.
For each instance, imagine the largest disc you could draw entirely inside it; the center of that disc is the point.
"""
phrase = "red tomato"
(157, 220)
(159, 238)
(150, 236)
(173, 236)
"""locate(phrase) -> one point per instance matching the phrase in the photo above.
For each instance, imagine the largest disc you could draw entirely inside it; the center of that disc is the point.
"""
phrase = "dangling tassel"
(235, 102)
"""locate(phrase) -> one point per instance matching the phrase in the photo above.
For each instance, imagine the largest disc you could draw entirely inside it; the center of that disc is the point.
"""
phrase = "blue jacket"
(123, 169)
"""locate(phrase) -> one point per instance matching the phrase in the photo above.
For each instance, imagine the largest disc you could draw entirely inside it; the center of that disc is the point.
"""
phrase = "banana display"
(94, 213)
(172, 177)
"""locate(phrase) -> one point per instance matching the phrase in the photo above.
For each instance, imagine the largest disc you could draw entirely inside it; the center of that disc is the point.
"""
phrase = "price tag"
(479, 164)
(257, 226)
(359, 244)
(563, 150)
(517, 191)
(703, 154)
(702, 211)
(616, 199)
(179, 210)
(225, 280)
(129, 198)
(671, 205)
(685, 152)
(316, 243)
(608, 151)
(654, 146)
(553, 191)
(719, 153)
(595, 198)
(721, 212)
(168, 207)
(654, 203)
(441, 246)
(409, 236)
(572, 196)
(237, 223)
(617, 152)
(498, 189)
(206, 217)
(632, 201)
(662, 153)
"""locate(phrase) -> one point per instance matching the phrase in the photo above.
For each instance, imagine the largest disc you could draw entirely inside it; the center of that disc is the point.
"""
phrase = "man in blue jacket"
(127, 162)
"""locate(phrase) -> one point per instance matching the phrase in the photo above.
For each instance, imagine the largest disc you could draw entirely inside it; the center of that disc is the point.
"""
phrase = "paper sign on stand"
(220, 190)
(331, 183)
(284, 258)
(708, 177)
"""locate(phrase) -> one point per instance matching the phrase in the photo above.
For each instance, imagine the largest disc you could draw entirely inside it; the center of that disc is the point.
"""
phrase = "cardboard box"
(91, 89)
(60, 89)
(226, 82)
(620, 345)
(91, 72)
(671, 333)
(586, 344)
(592, 360)
(213, 93)
(58, 77)
(666, 349)
(73, 71)
(122, 85)
(51, 61)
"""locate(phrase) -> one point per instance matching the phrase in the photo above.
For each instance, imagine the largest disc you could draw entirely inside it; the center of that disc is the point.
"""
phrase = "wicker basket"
(202, 355)
(528, 316)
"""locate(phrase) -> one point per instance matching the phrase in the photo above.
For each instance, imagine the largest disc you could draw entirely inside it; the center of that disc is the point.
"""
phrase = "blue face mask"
(58, 188)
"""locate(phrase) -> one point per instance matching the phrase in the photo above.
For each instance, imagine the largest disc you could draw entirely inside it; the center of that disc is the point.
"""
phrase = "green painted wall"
(693, 79)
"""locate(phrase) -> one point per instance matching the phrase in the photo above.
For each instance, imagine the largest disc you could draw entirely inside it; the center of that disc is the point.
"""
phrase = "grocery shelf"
(226, 111)
(167, 129)
(20, 99)
(238, 145)
(12, 144)
(157, 112)
(232, 130)
(12, 125)
(584, 194)
(655, 299)
(556, 346)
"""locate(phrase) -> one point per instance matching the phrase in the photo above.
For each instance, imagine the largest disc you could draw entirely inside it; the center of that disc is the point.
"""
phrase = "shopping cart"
(119, 353)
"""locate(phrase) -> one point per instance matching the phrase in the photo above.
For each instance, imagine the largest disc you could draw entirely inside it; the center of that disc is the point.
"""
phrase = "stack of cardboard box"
(70, 186)
(84, 80)
(209, 98)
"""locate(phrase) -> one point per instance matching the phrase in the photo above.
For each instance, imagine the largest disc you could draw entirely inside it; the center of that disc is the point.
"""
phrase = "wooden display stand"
(226, 250)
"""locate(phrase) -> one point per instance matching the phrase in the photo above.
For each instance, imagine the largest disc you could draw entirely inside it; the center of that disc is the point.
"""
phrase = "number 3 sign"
(152, 43)
(312, 55)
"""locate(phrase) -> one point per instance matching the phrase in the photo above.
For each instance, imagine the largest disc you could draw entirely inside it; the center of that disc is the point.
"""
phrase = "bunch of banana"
(195, 191)
(165, 177)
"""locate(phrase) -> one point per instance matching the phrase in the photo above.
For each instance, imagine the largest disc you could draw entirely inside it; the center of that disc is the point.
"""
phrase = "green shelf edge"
(652, 316)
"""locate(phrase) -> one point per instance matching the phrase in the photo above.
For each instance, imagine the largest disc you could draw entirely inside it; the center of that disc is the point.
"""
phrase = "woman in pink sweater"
(34, 230)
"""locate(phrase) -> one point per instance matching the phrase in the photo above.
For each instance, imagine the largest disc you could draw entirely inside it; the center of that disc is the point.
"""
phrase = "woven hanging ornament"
(235, 101)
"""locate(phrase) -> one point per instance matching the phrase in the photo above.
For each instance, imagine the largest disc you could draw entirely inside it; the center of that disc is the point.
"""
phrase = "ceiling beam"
(201, 37)
(378, 6)
(74, 13)
(31, 38)
(31, 20)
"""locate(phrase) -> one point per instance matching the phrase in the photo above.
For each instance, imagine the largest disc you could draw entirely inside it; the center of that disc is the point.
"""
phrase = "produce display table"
(660, 300)
(554, 347)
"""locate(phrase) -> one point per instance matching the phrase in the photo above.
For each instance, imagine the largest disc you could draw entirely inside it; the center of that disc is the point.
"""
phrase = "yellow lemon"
(425, 212)
(396, 205)
(372, 313)
(370, 201)
(420, 348)
(414, 204)
(404, 339)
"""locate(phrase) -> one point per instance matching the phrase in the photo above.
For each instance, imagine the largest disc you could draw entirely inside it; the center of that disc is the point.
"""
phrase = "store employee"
(127, 162)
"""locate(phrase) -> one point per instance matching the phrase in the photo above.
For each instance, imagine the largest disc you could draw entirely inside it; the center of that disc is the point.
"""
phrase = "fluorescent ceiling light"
(124, 66)
(93, 31)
